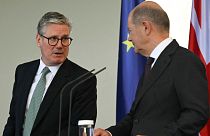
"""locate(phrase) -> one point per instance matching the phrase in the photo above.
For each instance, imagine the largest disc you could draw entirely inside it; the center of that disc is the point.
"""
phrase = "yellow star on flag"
(129, 45)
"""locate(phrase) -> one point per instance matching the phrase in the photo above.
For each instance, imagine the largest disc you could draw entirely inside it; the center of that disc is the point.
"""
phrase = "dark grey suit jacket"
(172, 101)
(46, 123)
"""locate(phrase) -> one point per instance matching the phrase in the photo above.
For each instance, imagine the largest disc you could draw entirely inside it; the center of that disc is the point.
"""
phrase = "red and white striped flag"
(199, 40)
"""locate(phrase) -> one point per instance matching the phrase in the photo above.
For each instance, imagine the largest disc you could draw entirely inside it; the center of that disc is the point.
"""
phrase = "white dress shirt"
(159, 49)
(49, 78)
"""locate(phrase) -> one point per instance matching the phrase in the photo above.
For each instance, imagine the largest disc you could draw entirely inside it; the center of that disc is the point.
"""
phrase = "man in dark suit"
(172, 100)
(53, 39)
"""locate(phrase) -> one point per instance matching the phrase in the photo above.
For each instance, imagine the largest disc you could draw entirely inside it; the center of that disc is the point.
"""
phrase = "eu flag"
(130, 64)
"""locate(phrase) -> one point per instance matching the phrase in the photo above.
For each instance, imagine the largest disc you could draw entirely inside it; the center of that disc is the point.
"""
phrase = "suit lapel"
(60, 79)
(27, 80)
(157, 70)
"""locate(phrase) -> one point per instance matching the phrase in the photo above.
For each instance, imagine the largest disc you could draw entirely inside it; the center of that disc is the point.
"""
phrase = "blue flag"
(130, 64)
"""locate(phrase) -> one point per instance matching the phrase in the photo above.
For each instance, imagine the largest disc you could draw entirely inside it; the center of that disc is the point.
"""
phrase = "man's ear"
(147, 27)
(38, 40)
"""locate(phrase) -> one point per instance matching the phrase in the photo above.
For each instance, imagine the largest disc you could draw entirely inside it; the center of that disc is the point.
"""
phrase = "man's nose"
(59, 44)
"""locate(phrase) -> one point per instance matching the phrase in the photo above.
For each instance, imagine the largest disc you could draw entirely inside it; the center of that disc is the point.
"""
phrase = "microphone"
(61, 95)
(71, 93)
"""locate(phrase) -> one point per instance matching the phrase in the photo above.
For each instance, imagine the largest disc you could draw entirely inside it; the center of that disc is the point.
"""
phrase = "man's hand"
(101, 132)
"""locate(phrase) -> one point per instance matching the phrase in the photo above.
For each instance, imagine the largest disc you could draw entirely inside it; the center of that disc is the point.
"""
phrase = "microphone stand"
(71, 93)
(61, 96)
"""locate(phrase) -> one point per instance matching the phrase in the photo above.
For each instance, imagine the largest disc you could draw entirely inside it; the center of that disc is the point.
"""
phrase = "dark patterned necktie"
(148, 64)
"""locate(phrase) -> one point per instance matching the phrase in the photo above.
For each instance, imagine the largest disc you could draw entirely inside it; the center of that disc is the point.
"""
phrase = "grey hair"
(155, 15)
(52, 18)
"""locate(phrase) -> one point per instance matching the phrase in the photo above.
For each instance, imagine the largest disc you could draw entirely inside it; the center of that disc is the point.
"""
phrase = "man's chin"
(140, 51)
(57, 62)
(136, 50)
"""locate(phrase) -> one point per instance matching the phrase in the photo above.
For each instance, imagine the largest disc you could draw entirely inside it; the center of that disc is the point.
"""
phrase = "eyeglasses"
(53, 41)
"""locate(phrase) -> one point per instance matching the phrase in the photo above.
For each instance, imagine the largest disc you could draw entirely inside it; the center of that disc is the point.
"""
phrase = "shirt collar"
(160, 47)
(53, 69)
